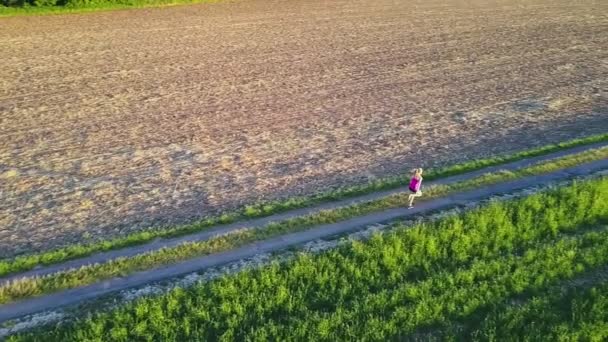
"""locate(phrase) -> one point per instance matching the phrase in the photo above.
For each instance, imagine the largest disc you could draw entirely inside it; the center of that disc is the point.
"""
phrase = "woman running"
(415, 183)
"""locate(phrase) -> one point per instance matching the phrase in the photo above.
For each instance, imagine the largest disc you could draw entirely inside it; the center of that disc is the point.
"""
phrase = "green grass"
(29, 287)
(93, 6)
(28, 262)
(573, 313)
(383, 289)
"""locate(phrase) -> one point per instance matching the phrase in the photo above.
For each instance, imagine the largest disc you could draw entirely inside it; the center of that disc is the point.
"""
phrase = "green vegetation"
(41, 7)
(28, 287)
(28, 262)
(575, 313)
(395, 284)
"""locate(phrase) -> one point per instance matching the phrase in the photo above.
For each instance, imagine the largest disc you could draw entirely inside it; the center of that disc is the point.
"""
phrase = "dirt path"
(111, 122)
(78, 295)
(262, 222)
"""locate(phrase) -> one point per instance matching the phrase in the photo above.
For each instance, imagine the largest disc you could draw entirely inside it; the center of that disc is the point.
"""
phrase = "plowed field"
(115, 121)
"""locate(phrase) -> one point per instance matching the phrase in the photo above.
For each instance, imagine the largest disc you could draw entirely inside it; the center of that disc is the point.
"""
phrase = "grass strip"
(575, 313)
(28, 262)
(93, 6)
(381, 289)
(30, 287)
(35, 286)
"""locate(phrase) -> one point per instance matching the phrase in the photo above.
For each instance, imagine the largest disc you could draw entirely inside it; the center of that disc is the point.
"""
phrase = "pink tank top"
(415, 184)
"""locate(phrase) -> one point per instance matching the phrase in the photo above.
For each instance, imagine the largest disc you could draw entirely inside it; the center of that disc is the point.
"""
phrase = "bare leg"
(412, 196)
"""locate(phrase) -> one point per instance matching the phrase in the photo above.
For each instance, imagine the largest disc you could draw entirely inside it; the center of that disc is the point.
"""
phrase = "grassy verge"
(29, 287)
(93, 7)
(381, 289)
(28, 262)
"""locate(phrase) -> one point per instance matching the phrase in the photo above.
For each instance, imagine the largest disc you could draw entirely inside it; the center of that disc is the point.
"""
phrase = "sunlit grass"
(95, 7)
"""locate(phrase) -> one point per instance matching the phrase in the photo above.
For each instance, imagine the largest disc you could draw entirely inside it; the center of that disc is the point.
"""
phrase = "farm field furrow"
(267, 99)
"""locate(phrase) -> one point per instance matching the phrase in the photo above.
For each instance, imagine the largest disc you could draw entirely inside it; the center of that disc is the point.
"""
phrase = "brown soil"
(112, 122)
